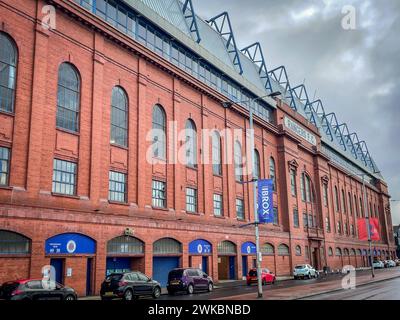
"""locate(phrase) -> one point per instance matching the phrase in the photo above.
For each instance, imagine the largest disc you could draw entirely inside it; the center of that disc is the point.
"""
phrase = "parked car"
(390, 263)
(266, 276)
(377, 264)
(36, 289)
(129, 286)
(188, 280)
(397, 262)
(304, 271)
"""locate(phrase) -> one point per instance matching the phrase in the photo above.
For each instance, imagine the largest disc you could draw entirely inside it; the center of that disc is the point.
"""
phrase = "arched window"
(338, 252)
(272, 172)
(125, 245)
(119, 118)
(68, 96)
(336, 199)
(352, 252)
(257, 168)
(346, 252)
(226, 247)
(8, 68)
(283, 250)
(343, 201)
(167, 246)
(13, 243)
(350, 204)
(356, 206)
(216, 154)
(159, 132)
(191, 143)
(298, 251)
(361, 208)
(359, 252)
(330, 251)
(238, 162)
(267, 249)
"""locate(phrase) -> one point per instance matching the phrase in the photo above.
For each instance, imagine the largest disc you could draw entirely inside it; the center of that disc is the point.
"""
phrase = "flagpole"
(368, 225)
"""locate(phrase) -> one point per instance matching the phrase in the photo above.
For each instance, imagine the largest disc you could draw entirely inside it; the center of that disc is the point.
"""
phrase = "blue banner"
(249, 248)
(200, 246)
(265, 208)
(70, 243)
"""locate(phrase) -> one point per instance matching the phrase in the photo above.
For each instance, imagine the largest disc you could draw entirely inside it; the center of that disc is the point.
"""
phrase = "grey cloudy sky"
(356, 73)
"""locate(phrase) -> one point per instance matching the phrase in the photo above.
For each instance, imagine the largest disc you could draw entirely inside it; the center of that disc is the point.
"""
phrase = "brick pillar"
(38, 260)
(206, 185)
(148, 259)
(185, 255)
(99, 266)
(214, 263)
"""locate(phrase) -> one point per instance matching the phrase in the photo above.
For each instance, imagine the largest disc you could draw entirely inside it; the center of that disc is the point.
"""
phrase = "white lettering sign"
(300, 131)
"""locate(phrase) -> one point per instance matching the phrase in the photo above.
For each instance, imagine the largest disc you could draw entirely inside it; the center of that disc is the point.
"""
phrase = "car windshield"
(300, 267)
(174, 274)
(114, 277)
(253, 273)
(10, 286)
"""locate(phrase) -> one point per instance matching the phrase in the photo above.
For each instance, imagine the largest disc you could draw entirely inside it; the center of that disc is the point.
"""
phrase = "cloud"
(354, 72)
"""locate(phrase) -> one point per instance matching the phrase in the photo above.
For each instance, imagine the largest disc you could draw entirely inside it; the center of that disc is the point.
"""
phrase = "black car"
(36, 289)
(188, 280)
(129, 286)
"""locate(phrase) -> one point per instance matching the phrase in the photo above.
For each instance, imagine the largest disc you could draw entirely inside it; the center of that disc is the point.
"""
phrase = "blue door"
(117, 265)
(89, 276)
(232, 268)
(162, 266)
(58, 265)
(244, 265)
(204, 264)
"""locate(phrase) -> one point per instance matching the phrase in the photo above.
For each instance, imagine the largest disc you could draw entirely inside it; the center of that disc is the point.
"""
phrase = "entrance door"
(244, 266)
(58, 265)
(89, 276)
(162, 266)
(204, 264)
(116, 265)
(232, 268)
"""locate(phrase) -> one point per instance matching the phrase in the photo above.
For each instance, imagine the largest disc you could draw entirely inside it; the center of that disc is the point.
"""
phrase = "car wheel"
(156, 292)
(309, 276)
(69, 298)
(273, 281)
(190, 289)
(128, 295)
(210, 287)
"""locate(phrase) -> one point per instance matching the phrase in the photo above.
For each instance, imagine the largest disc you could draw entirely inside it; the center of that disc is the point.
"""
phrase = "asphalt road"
(384, 290)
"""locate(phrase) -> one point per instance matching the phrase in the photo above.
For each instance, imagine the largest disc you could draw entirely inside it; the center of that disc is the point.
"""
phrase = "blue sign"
(265, 208)
(200, 247)
(70, 243)
(249, 248)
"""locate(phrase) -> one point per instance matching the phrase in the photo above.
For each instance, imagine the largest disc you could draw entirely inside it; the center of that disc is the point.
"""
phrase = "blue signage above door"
(70, 243)
(249, 248)
(200, 247)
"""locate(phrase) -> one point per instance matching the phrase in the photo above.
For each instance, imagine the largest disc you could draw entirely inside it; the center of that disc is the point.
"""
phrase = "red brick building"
(77, 101)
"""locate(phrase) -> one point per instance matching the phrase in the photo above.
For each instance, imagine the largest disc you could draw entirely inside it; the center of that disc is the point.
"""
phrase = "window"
(117, 186)
(272, 172)
(238, 162)
(4, 166)
(159, 194)
(68, 98)
(325, 188)
(345, 228)
(339, 227)
(356, 206)
(330, 251)
(240, 209)
(338, 252)
(191, 200)
(8, 68)
(343, 200)
(327, 224)
(276, 216)
(125, 245)
(64, 177)
(283, 250)
(336, 199)
(191, 144)
(267, 249)
(218, 205)
(119, 111)
(308, 188)
(296, 222)
(305, 220)
(310, 221)
(352, 230)
(159, 132)
(13, 243)
(216, 154)
(307, 252)
(350, 204)
(257, 169)
(361, 208)
(293, 182)
(298, 251)
(302, 188)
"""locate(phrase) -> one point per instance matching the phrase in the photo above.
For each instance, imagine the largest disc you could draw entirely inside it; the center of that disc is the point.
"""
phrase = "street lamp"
(367, 216)
(228, 104)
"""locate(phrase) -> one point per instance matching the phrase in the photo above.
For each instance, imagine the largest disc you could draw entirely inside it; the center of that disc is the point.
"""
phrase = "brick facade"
(104, 59)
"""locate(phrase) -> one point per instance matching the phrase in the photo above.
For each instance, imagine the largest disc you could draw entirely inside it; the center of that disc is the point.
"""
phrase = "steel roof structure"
(214, 41)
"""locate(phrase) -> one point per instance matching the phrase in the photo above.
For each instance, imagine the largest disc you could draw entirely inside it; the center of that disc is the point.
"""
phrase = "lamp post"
(227, 105)
(367, 217)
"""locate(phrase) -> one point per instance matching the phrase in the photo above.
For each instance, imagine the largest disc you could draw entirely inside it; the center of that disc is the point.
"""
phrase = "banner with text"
(363, 229)
(265, 208)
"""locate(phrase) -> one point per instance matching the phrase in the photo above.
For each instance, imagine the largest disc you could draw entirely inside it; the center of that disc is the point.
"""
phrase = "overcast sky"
(356, 73)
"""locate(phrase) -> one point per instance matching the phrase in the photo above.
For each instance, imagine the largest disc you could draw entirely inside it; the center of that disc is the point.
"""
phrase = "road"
(384, 290)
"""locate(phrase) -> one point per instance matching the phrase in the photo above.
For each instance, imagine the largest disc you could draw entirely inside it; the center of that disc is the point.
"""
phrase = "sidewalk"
(309, 290)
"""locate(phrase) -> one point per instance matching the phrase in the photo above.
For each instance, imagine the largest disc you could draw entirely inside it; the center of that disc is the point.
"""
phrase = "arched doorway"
(227, 264)
(167, 253)
(249, 253)
(15, 256)
(124, 254)
(200, 254)
(69, 254)
(268, 252)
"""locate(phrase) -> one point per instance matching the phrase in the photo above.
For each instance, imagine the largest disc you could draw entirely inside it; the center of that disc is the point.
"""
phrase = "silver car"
(304, 271)
(378, 264)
